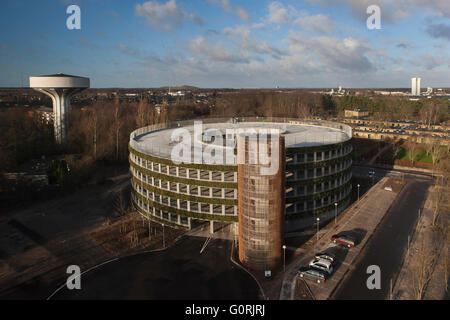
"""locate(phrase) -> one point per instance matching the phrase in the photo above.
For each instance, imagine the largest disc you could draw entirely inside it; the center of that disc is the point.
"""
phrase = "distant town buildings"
(339, 92)
(416, 131)
(356, 113)
(46, 114)
(177, 94)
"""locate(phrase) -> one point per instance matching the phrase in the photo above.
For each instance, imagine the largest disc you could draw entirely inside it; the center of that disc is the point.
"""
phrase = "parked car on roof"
(322, 264)
(343, 239)
(326, 255)
(313, 274)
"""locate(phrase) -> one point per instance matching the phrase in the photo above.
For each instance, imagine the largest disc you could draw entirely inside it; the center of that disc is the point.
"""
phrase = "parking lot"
(360, 221)
(187, 270)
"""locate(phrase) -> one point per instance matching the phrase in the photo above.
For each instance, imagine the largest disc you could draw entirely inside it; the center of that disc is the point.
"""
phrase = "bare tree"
(123, 206)
(303, 110)
(118, 122)
(93, 124)
(436, 151)
(422, 270)
(437, 201)
(412, 147)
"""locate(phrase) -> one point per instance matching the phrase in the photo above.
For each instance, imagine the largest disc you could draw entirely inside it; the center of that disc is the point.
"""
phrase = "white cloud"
(391, 11)
(242, 13)
(214, 52)
(258, 25)
(224, 4)
(430, 61)
(165, 16)
(278, 13)
(319, 23)
(248, 46)
(334, 54)
(127, 50)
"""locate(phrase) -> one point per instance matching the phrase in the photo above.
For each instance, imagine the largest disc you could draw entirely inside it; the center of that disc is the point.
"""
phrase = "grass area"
(420, 154)
(403, 153)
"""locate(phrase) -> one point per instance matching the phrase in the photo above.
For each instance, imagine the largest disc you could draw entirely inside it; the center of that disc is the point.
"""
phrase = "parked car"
(343, 239)
(313, 274)
(322, 264)
(327, 256)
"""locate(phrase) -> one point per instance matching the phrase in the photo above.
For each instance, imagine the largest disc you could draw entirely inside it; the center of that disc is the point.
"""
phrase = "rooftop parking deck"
(160, 142)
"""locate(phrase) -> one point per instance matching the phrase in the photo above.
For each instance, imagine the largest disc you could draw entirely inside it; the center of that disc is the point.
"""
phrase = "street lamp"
(318, 220)
(284, 258)
(149, 229)
(335, 212)
(164, 239)
(358, 191)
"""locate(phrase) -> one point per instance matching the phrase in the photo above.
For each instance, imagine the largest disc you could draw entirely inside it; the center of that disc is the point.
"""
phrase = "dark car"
(327, 256)
(343, 239)
(311, 273)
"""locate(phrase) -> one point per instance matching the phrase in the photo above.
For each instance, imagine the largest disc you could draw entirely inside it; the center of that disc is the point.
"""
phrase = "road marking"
(205, 244)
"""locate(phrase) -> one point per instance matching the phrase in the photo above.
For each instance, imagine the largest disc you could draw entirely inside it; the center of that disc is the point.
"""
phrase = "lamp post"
(284, 258)
(335, 212)
(318, 220)
(149, 229)
(358, 191)
(164, 239)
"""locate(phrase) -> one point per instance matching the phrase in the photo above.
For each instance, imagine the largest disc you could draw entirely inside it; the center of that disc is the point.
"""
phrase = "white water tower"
(60, 87)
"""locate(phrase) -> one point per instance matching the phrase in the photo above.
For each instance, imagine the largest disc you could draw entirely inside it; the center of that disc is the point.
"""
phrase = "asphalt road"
(179, 272)
(387, 245)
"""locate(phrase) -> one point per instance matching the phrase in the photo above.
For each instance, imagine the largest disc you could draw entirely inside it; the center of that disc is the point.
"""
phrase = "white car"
(322, 264)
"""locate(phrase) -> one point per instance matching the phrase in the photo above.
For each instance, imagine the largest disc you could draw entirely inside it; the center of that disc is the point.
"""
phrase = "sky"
(228, 43)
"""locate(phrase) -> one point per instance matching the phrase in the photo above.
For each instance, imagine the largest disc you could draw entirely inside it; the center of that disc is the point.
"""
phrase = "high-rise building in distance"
(415, 86)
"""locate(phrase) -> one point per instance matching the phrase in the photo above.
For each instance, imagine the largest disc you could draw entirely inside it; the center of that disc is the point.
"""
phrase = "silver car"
(322, 264)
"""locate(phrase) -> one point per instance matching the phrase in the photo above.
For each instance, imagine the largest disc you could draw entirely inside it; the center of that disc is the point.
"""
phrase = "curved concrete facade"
(317, 174)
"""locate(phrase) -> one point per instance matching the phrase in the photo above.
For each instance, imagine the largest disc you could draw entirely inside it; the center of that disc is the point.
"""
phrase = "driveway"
(180, 272)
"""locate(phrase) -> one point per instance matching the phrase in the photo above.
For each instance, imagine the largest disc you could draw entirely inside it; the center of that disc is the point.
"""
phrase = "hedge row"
(317, 195)
(159, 220)
(318, 180)
(318, 164)
(211, 167)
(314, 212)
(191, 214)
(182, 196)
(165, 177)
(326, 147)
